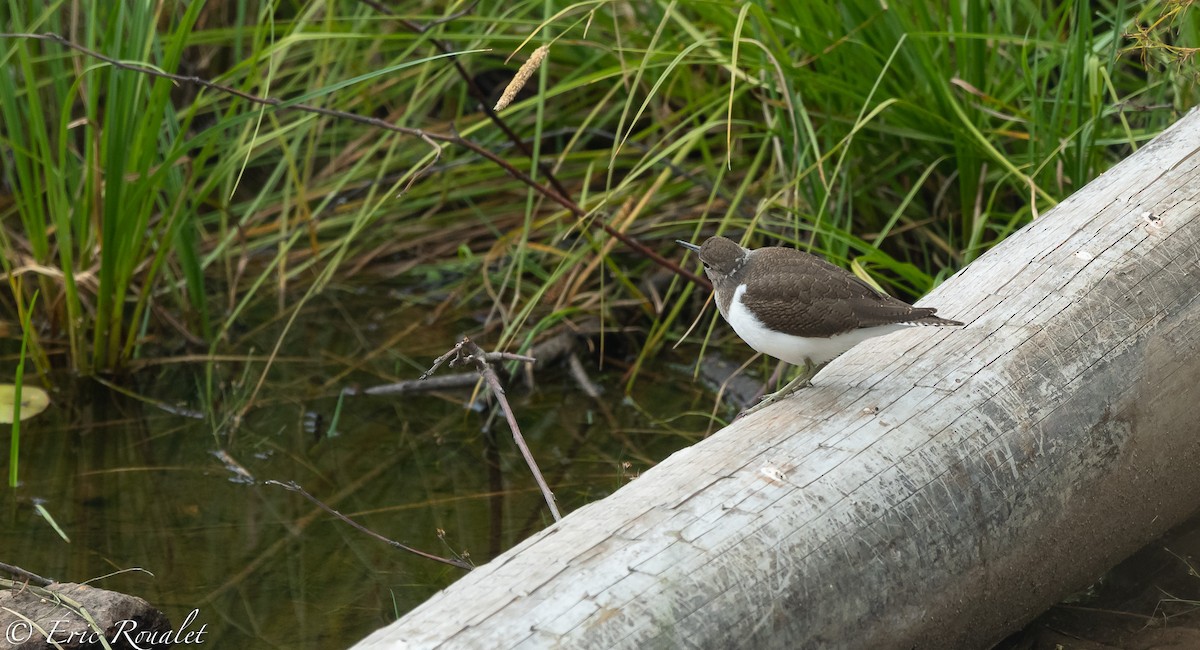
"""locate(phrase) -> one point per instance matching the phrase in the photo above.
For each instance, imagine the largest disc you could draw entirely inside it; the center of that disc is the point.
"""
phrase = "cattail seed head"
(522, 76)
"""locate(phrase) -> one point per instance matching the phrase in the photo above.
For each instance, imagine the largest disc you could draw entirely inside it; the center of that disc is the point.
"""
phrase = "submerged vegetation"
(168, 165)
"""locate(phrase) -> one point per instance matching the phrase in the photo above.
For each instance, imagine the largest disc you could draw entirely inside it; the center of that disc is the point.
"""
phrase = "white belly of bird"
(796, 350)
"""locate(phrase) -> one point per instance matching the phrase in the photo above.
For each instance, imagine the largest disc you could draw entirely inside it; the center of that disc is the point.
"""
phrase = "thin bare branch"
(467, 351)
(437, 363)
(292, 486)
(509, 356)
(28, 575)
(421, 385)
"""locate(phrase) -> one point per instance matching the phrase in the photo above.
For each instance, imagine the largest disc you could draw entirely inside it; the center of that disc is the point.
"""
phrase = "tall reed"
(901, 139)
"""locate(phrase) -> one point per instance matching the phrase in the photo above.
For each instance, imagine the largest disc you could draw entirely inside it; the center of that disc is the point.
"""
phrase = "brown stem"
(27, 575)
(293, 486)
(467, 351)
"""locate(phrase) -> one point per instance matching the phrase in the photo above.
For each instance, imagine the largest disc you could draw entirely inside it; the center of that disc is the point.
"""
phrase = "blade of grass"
(14, 445)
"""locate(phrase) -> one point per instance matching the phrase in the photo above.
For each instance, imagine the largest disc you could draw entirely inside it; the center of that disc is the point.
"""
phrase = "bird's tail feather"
(935, 320)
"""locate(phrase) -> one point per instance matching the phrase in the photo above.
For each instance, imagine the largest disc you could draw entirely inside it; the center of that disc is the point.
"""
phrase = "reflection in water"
(136, 485)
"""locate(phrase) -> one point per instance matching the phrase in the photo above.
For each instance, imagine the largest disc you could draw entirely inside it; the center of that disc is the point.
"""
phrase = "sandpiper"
(799, 308)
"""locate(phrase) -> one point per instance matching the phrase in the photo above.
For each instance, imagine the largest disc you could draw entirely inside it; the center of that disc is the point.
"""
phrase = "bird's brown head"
(722, 258)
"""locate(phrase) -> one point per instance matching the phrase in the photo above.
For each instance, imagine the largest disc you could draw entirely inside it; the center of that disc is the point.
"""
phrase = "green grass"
(900, 139)
(14, 445)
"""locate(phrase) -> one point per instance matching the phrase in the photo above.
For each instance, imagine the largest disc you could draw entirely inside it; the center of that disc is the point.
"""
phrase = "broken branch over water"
(467, 351)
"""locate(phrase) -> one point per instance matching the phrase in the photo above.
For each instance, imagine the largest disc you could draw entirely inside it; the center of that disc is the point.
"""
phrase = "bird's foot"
(803, 380)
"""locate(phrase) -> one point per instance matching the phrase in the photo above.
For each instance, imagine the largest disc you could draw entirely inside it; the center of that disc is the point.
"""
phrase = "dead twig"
(455, 353)
(425, 383)
(293, 486)
(27, 575)
(467, 351)
(457, 380)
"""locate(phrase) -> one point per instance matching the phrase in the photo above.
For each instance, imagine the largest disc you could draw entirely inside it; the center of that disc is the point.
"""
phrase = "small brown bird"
(799, 308)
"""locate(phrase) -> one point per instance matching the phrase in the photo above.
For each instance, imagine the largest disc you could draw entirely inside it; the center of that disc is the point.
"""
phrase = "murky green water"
(134, 485)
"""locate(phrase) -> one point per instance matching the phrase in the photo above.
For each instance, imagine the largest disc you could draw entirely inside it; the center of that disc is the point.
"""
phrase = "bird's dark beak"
(688, 245)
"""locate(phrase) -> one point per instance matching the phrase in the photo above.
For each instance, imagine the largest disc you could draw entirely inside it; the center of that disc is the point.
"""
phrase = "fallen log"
(37, 614)
(933, 489)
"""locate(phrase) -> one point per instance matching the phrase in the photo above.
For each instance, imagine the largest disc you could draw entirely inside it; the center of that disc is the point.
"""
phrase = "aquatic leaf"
(33, 401)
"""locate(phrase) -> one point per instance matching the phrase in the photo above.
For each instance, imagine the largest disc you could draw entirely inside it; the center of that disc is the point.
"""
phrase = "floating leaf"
(33, 401)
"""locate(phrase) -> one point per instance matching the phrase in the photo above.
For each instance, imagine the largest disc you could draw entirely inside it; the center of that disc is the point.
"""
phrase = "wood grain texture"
(936, 488)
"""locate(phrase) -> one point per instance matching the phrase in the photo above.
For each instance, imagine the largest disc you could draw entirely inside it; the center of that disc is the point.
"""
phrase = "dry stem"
(467, 351)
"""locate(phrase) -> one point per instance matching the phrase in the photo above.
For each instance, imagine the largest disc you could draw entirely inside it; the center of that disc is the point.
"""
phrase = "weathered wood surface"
(934, 489)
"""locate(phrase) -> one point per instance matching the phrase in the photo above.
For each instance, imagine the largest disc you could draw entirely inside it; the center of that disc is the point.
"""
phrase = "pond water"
(135, 484)
(135, 481)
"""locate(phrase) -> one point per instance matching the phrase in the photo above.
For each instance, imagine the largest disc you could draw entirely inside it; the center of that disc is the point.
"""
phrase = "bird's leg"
(803, 380)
